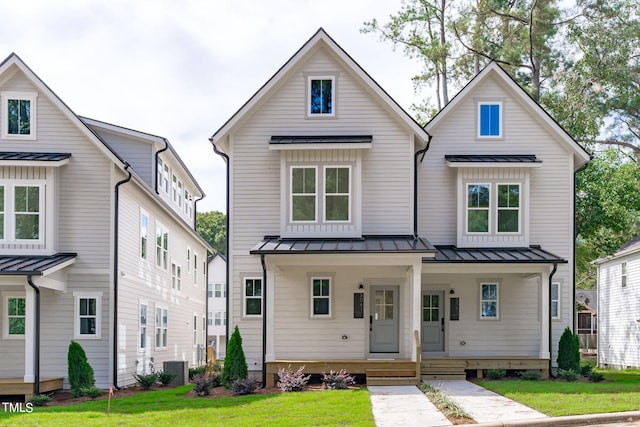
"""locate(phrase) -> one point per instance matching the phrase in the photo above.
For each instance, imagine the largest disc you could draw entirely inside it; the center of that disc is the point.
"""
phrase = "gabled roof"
(581, 156)
(627, 248)
(588, 298)
(320, 38)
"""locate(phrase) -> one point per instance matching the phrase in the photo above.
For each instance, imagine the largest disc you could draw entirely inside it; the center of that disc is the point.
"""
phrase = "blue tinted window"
(321, 97)
(489, 120)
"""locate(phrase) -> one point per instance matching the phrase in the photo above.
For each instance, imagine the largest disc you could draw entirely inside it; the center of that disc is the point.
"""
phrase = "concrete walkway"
(404, 406)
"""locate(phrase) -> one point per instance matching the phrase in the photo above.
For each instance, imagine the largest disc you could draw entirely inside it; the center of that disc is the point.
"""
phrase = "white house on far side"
(217, 305)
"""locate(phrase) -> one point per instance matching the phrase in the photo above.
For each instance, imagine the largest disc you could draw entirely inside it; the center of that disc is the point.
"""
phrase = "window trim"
(176, 276)
(558, 315)
(329, 297)
(315, 194)
(310, 79)
(144, 248)
(6, 296)
(497, 300)
(77, 296)
(195, 330)
(245, 297)
(160, 326)
(519, 208)
(209, 318)
(624, 274)
(195, 268)
(325, 194)
(24, 96)
(488, 209)
(145, 348)
(500, 134)
(162, 262)
(210, 290)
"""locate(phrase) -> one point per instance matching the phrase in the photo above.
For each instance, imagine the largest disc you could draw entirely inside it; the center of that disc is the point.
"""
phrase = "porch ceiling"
(366, 244)
(37, 265)
(530, 255)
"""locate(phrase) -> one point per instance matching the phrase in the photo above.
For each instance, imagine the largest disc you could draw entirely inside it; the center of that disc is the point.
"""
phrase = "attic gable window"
(19, 112)
(489, 120)
(321, 92)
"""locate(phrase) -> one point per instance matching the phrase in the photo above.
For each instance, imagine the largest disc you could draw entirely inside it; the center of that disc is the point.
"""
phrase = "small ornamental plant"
(243, 387)
(203, 383)
(568, 374)
(569, 352)
(79, 370)
(165, 377)
(531, 375)
(339, 380)
(235, 364)
(146, 381)
(496, 374)
(289, 380)
(39, 399)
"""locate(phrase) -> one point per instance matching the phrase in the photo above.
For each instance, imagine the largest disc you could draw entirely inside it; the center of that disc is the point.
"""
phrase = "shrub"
(146, 381)
(569, 351)
(292, 381)
(496, 374)
(531, 375)
(567, 374)
(246, 386)
(203, 383)
(595, 377)
(235, 364)
(79, 370)
(39, 399)
(197, 371)
(92, 392)
(337, 380)
(165, 377)
(586, 369)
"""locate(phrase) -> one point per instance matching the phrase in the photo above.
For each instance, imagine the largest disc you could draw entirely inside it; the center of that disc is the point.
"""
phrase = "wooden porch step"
(392, 380)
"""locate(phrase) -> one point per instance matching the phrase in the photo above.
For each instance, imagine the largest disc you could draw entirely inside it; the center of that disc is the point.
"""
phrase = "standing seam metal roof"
(31, 264)
(532, 254)
(366, 244)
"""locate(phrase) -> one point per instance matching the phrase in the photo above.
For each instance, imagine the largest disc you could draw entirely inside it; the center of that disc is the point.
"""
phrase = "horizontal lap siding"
(11, 349)
(139, 154)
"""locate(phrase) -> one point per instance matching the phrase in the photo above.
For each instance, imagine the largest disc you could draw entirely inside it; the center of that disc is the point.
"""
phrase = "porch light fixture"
(452, 291)
(360, 286)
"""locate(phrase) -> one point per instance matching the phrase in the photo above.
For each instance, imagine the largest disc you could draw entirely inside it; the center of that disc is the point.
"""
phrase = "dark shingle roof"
(532, 254)
(321, 139)
(492, 158)
(31, 264)
(366, 244)
(41, 157)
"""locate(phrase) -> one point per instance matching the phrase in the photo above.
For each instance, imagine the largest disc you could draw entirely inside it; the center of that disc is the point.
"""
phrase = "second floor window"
(176, 277)
(623, 274)
(478, 203)
(144, 234)
(303, 194)
(333, 194)
(21, 212)
(484, 209)
(163, 176)
(337, 191)
(162, 247)
(508, 208)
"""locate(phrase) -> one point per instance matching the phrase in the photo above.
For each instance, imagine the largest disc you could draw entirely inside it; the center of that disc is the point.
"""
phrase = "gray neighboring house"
(97, 244)
(619, 307)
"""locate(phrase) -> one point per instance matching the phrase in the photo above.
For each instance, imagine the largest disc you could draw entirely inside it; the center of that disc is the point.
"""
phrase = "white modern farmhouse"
(97, 244)
(619, 307)
(360, 240)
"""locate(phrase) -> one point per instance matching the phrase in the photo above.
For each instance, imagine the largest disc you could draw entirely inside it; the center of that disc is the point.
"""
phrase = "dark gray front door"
(433, 321)
(383, 322)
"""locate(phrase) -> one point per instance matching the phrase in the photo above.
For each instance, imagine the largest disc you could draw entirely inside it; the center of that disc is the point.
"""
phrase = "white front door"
(432, 321)
(383, 322)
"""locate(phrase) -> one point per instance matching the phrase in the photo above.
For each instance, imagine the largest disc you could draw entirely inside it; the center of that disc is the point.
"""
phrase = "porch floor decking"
(17, 386)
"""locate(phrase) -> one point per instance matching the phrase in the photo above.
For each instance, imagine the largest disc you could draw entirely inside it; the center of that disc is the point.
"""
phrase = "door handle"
(370, 323)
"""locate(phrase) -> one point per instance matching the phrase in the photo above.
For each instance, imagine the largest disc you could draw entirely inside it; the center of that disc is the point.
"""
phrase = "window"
(337, 190)
(321, 297)
(321, 96)
(26, 208)
(218, 318)
(15, 315)
(163, 176)
(478, 208)
(177, 191)
(253, 297)
(162, 247)
(303, 194)
(188, 203)
(210, 318)
(490, 120)
(623, 274)
(188, 260)
(508, 208)
(489, 300)
(176, 276)
(20, 111)
(144, 234)
(2, 212)
(162, 329)
(87, 307)
(555, 300)
(195, 269)
(210, 290)
(143, 326)
(220, 291)
(180, 194)
(195, 330)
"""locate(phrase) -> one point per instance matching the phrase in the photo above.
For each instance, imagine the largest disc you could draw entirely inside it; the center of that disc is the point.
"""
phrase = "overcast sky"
(181, 68)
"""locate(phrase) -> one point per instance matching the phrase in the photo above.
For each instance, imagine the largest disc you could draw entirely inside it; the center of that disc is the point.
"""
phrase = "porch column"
(29, 334)
(544, 317)
(270, 319)
(416, 282)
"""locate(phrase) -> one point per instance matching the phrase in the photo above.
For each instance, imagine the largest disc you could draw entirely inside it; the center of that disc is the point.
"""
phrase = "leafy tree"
(212, 226)
(235, 364)
(79, 371)
(569, 351)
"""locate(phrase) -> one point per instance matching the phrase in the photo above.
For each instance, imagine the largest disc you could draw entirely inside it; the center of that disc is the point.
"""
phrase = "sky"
(181, 68)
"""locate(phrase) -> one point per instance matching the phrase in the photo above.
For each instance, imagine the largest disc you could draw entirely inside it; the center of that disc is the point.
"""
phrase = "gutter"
(115, 272)
(415, 184)
(166, 147)
(555, 268)
(195, 212)
(36, 342)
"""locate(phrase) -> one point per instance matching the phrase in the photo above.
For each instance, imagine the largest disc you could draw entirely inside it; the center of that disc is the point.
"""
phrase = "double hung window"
(19, 115)
(162, 327)
(332, 196)
(488, 300)
(252, 297)
(321, 297)
(484, 209)
(15, 315)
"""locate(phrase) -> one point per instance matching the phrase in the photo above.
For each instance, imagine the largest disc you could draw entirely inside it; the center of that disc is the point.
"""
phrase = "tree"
(569, 351)
(79, 371)
(212, 226)
(235, 364)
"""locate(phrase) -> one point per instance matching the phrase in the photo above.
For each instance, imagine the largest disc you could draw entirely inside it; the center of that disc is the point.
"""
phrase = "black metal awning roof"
(530, 255)
(366, 244)
(321, 139)
(39, 157)
(491, 158)
(38, 265)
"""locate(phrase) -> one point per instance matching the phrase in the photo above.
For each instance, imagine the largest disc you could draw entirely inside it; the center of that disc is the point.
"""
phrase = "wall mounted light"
(452, 291)
(360, 286)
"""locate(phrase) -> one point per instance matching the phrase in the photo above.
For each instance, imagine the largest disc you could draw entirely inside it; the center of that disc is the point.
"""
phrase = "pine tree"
(235, 364)
(79, 370)
(569, 351)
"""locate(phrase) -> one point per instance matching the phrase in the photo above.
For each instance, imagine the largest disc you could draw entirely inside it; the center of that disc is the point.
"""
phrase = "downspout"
(555, 268)
(166, 147)
(415, 185)
(195, 213)
(225, 157)
(115, 272)
(36, 343)
(264, 319)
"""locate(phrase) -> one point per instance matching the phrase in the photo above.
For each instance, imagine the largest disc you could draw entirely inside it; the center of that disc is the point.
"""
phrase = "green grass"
(620, 392)
(171, 407)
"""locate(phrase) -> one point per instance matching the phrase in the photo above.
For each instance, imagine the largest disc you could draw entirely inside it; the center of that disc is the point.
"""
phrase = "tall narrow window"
(478, 197)
(337, 193)
(162, 327)
(180, 194)
(163, 176)
(162, 247)
(210, 318)
(144, 234)
(176, 277)
(195, 269)
(303, 193)
(188, 203)
(321, 296)
(19, 109)
(143, 326)
(623, 274)
(195, 330)
(555, 300)
(27, 212)
(219, 291)
(15, 309)
(489, 301)
(508, 208)
(321, 96)
(490, 120)
(253, 297)
(209, 290)
(87, 314)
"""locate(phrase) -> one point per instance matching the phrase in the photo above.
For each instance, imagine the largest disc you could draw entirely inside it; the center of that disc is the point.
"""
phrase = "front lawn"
(172, 407)
(618, 393)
